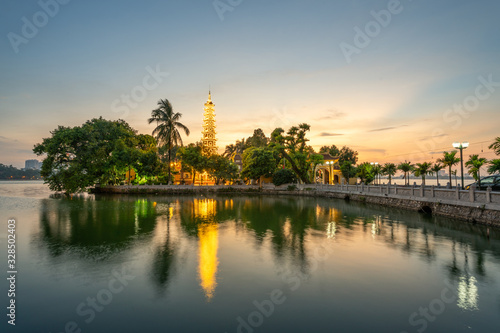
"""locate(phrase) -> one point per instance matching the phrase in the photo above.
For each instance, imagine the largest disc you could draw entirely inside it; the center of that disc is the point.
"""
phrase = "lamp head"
(465, 144)
(456, 145)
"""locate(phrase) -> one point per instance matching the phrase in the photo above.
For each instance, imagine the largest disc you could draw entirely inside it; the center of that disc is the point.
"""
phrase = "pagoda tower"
(208, 134)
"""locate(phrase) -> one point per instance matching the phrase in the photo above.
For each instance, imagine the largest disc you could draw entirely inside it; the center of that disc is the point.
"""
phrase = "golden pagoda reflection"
(208, 246)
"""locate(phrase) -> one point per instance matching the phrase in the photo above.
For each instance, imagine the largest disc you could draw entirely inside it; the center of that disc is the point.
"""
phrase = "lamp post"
(461, 146)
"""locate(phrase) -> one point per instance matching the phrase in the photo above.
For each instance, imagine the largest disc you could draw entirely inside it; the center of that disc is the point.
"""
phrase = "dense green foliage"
(293, 147)
(344, 154)
(257, 163)
(284, 176)
(192, 159)
(365, 173)
(348, 170)
(10, 172)
(98, 152)
(221, 169)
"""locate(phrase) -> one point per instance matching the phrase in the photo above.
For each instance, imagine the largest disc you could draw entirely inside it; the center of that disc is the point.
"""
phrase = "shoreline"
(420, 199)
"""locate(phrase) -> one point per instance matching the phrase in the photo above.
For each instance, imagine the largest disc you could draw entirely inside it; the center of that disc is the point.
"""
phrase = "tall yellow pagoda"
(208, 138)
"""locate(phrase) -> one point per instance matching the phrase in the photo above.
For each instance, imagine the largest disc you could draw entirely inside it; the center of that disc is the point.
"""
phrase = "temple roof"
(328, 157)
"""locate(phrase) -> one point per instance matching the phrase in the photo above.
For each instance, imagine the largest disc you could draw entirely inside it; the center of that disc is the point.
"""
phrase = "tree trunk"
(296, 169)
(450, 176)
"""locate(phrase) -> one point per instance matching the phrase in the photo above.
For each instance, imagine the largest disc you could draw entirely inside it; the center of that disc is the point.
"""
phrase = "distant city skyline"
(394, 80)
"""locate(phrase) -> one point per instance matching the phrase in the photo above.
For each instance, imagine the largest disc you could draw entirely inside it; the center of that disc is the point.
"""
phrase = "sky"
(394, 80)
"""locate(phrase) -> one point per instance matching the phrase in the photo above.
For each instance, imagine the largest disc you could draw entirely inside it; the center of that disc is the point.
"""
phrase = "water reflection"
(167, 230)
(208, 262)
(94, 228)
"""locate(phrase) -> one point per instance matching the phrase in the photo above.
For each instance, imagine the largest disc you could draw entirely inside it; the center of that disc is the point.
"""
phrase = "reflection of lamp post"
(461, 146)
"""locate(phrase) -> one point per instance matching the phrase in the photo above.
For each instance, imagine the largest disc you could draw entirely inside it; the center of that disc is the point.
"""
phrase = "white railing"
(398, 191)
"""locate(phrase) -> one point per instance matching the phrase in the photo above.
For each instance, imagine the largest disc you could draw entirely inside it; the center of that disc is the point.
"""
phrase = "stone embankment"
(470, 205)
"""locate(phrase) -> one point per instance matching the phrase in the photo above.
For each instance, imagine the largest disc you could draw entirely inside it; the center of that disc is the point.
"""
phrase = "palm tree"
(241, 145)
(449, 160)
(423, 169)
(494, 166)
(230, 151)
(389, 169)
(377, 170)
(474, 165)
(436, 168)
(496, 146)
(167, 128)
(406, 167)
(454, 173)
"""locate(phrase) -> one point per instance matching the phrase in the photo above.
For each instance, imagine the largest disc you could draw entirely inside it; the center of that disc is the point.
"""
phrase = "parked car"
(489, 181)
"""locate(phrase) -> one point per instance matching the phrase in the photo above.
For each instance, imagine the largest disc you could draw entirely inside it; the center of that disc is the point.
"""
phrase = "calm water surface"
(243, 264)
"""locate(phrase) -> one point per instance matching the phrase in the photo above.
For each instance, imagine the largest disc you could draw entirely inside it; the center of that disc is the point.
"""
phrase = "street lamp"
(461, 146)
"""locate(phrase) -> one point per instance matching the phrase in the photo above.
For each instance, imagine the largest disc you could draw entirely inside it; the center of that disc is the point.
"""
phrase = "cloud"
(330, 134)
(373, 150)
(4, 138)
(386, 128)
(332, 114)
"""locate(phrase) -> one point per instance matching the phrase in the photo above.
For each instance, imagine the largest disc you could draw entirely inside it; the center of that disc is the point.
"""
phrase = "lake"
(222, 263)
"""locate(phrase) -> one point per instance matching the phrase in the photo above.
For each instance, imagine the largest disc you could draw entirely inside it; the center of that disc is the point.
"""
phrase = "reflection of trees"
(84, 224)
(164, 257)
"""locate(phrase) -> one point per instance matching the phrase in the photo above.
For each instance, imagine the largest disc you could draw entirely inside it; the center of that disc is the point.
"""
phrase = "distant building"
(32, 164)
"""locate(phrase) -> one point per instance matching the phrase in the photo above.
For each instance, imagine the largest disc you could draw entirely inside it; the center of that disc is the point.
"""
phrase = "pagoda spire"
(208, 138)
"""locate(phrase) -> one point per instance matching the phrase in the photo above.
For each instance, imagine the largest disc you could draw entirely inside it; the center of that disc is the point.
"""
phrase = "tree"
(436, 168)
(80, 157)
(365, 173)
(474, 165)
(454, 173)
(258, 139)
(389, 169)
(449, 160)
(284, 176)
(496, 145)
(377, 170)
(422, 169)
(230, 151)
(257, 163)
(293, 147)
(167, 127)
(332, 150)
(221, 169)
(347, 154)
(348, 170)
(494, 166)
(406, 167)
(192, 158)
(10, 172)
